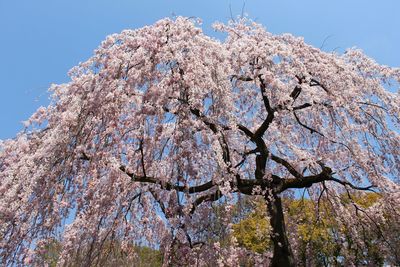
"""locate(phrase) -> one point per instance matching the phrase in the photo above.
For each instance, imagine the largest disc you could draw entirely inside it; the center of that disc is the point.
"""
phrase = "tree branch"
(314, 82)
(303, 106)
(210, 197)
(325, 175)
(345, 183)
(306, 181)
(270, 111)
(305, 126)
(263, 88)
(168, 186)
(287, 165)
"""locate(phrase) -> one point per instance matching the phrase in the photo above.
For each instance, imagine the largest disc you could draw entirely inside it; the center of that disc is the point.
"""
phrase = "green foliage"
(148, 257)
(314, 229)
(111, 255)
(318, 236)
(253, 231)
(51, 253)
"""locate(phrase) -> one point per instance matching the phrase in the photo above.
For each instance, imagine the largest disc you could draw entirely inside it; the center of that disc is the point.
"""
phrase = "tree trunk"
(283, 255)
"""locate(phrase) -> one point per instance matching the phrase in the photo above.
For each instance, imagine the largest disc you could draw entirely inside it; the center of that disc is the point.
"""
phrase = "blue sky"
(42, 39)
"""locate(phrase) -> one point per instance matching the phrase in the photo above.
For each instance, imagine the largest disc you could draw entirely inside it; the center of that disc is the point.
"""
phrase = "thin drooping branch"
(324, 175)
(241, 78)
(287, 165)
(209, 197)
(213, 125)
(312, 130)
(314, 82)
(214, 128)
(345, 183)
(160, 203)
(244, 156)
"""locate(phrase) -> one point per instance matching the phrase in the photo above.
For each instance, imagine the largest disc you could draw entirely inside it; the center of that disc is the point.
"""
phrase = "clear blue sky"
(40, 40)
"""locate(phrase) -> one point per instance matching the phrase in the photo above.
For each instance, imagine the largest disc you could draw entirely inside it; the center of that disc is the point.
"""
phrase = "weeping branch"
(287, 165)
(166, 185)
(206, 198)
(314, 82)
(307, 127)
(324, 175)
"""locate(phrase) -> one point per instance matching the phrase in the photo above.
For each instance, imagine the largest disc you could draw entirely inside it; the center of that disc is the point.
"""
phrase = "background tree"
(164, 120)
(253, 231)
(319, 239)
(112, 254)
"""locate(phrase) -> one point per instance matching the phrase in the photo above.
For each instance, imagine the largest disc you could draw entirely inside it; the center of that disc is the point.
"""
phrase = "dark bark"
(283, 255)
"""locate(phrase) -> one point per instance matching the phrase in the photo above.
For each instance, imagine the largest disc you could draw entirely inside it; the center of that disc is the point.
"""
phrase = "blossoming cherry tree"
(164, 121)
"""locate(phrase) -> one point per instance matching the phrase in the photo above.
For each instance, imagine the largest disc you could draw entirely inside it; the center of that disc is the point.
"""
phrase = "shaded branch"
(270, 111)
(314, 82)
(210, 197)
(296, 92)
(306, 181)
(287, 165)
(345, 183)
(242, 78)
(263, 88)
(162, 206)
(303, 106)
(168, 186)
(305, 126)
(325, 175)
(244, 156)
